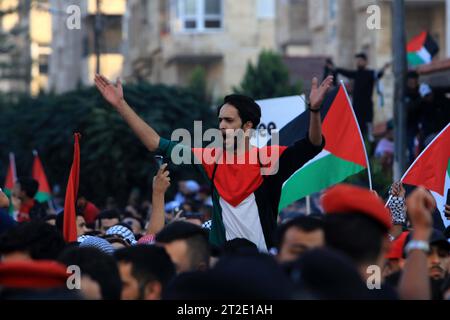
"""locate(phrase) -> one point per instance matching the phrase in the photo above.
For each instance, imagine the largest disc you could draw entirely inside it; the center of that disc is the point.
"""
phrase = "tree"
(268, 79)
(113, 160)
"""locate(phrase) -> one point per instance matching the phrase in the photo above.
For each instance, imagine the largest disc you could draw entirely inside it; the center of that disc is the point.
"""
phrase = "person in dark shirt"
(364, 81)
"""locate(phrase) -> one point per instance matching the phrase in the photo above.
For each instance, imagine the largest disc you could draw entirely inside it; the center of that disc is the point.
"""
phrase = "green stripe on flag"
(42, 197)
(414, 59)
(316, 176)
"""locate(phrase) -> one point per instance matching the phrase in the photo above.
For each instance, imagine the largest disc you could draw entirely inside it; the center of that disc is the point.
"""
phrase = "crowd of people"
(163, 252)
(226, 239)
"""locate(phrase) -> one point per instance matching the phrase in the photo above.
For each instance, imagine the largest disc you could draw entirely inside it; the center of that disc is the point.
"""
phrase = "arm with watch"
(415, 281)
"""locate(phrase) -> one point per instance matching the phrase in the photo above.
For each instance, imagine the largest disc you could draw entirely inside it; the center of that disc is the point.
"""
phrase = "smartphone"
(159, 161)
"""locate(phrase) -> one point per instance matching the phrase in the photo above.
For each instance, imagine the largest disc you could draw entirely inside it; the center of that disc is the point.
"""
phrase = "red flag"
(38, 174)
(70, 218)
(429, 169)
(11, 175)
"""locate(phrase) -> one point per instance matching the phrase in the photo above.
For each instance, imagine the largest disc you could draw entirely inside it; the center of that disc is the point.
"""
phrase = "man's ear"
(153, 290)
(248, 125)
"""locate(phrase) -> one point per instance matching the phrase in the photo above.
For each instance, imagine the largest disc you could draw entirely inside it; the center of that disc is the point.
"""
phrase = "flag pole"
(308, 205)
(369, 175)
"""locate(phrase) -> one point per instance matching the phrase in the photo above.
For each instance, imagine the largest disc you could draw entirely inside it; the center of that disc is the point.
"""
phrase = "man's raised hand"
(318, 92)
(112, 93)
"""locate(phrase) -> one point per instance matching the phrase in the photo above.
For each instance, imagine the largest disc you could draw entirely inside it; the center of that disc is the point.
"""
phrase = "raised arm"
(415, 282)
(316, 98)
(161, 183)
(114, 95)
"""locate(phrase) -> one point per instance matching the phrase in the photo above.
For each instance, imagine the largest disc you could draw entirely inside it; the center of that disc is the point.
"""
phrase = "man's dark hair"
(38, 238)
(361, 55)
(239, 246)
(356, 235)
(149, 263)
(247, 108)
(29, 186)
(107, 214)
(60, 220)
(196, 239)
(304, 223)
(99, 266)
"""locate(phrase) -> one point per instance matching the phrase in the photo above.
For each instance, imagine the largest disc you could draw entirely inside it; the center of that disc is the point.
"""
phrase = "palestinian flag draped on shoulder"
(431, 170)
(344, 153)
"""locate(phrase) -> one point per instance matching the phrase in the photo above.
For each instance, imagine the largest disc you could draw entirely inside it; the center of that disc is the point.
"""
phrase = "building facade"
(167, 40)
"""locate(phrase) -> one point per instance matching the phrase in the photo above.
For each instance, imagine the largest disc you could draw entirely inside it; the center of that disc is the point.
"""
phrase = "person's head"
(35, 240)
(81, 223)
(25, 188)
(237, 112)
(298, 235)
(98, 269)
(361, 60)
(135, 224)
(106, 219)
(356, 223)
(412, 81)
(144, 271)
(120, 232)
(325, 274)
(187, 246)
(438, 256)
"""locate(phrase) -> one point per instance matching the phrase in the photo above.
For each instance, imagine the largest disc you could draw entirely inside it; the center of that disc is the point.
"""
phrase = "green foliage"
(113, 160)
(268, 79)
(197, 83)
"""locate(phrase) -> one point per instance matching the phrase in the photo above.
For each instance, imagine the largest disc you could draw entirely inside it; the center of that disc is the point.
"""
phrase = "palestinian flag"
(11, 177)
(70, 218)
(432, 170)
(421, 49)
(344, 153)
(38, 174)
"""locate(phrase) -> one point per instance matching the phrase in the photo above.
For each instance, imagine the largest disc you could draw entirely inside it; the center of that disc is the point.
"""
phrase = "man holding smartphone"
(245, 201)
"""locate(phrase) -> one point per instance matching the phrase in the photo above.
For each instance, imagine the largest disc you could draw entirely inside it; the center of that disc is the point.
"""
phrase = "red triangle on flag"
(417, 43)
(38, 174)
(342, 135)
(11, 175)
(430, 167)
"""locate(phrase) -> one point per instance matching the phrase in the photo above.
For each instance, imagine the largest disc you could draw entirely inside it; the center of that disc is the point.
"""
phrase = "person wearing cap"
(357, 223)
(245, 198)
(438, 255)
(364, 81)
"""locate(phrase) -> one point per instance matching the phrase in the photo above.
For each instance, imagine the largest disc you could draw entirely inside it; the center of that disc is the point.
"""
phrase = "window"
(332, 9)
(266, 9)
(198, 15)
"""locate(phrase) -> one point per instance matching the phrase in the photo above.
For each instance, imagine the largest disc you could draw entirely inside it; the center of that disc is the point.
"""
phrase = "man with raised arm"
(245, 199)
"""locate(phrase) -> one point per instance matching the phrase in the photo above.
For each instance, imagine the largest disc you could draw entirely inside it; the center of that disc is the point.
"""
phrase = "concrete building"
(339, 29)
(74, 59)
(166, 40)
(26, 35)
